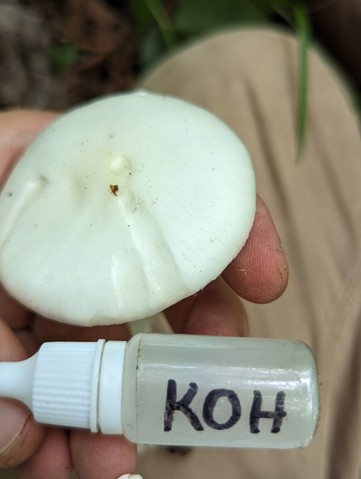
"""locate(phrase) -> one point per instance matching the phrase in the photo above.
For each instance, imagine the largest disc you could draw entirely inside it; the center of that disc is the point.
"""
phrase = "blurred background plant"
(55, 54)
(163, 26)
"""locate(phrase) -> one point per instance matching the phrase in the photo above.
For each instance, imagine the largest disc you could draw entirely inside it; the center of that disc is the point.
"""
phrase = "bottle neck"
(70, 384)
(111, 387)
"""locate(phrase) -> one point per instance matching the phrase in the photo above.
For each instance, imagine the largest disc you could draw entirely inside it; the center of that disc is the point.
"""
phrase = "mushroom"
(123, 207)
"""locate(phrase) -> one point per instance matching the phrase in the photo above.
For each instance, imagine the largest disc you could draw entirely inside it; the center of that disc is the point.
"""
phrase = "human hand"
(258, 274)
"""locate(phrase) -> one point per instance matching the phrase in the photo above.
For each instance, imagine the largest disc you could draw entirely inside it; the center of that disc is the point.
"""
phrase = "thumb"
(20, 436)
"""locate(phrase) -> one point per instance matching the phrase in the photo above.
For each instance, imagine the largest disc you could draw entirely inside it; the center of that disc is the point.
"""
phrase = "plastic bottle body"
(174, 389)
(213, 391)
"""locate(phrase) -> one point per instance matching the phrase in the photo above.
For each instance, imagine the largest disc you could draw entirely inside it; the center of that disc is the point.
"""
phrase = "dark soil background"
(57, 53)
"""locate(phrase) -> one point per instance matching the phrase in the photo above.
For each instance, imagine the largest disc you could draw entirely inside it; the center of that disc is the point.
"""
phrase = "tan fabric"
(249, 78)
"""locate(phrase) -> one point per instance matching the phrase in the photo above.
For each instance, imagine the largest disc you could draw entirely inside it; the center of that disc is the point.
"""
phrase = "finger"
(20, 436)
(52, 460)
(216, 310)
(260, 272)
(13, 313)
(17, 129)
(28, 340)
(47, 330)
(96, 455)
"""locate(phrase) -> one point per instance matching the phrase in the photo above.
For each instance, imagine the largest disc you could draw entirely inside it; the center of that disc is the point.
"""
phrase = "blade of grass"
(295, 14)
(163, 21)
(302, 26)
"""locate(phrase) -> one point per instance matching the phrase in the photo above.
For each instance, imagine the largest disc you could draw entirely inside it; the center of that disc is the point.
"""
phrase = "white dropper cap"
(70, 384)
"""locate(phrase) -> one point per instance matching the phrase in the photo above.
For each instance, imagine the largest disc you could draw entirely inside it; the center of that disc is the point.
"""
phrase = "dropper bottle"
(174, 389)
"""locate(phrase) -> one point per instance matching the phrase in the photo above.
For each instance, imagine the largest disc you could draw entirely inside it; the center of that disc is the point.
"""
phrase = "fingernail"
(12, 419)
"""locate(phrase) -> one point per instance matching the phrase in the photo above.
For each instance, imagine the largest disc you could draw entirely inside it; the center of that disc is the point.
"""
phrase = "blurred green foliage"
(62, 58)
(165, 25)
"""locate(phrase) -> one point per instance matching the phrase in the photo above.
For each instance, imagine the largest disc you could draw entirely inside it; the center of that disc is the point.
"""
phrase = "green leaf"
(194, 17)
(63, 57)
(151, 48)
(163, 21)
(303, 31)
(141, 15)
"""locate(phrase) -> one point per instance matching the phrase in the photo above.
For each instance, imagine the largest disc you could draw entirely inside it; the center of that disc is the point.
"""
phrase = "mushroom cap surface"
(122, 207)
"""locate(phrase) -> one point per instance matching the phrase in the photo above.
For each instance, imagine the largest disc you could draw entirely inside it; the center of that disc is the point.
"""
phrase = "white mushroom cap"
(123, 207)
